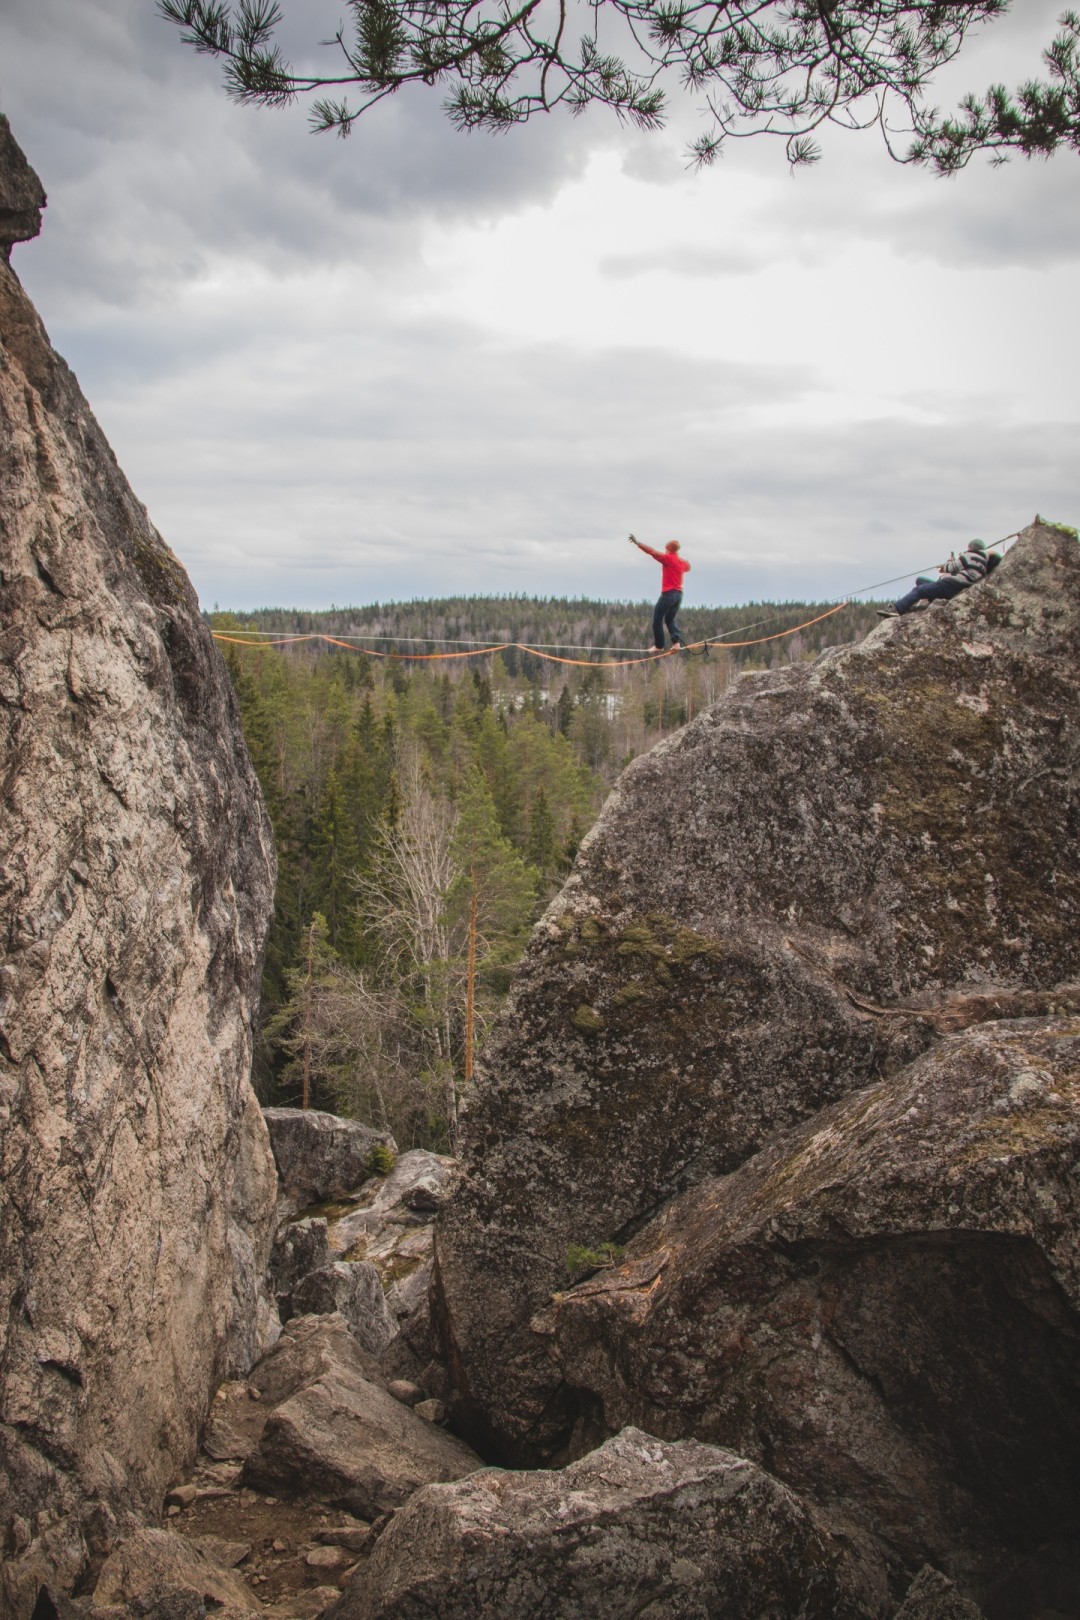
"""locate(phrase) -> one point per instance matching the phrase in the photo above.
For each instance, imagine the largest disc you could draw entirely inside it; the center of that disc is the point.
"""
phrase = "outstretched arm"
(648, 550)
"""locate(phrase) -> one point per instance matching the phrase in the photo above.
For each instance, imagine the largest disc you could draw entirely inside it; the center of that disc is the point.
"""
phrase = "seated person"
(954, 576)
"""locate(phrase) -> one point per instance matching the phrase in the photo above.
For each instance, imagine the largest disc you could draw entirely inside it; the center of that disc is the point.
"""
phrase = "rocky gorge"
(755, 1289)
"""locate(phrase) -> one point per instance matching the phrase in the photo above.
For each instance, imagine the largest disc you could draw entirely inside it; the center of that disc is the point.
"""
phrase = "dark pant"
(935, 590)
(664, 614)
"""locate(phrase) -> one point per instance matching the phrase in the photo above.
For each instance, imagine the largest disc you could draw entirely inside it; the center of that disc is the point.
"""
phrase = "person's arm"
(648, 550)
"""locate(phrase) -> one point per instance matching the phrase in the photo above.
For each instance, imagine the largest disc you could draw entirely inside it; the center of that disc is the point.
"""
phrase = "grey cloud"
(435, 462)
(1022, 214)
(152, 173)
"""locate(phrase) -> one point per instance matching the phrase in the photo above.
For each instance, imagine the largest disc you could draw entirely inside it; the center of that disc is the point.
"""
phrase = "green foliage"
(304, 1035)
(380, 1161)
(1038, 119)
(779, 67)
(581, 1259)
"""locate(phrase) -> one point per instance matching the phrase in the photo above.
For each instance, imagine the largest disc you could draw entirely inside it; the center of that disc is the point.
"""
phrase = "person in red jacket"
(674, 567)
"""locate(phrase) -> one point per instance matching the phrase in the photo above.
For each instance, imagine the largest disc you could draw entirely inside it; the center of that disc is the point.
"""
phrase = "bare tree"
(403, 897)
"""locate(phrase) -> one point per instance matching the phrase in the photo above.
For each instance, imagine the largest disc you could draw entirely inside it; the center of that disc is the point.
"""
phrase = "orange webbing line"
(279, 641)
(504, 646)
(780, 634)
(472, 652)
(591, 663)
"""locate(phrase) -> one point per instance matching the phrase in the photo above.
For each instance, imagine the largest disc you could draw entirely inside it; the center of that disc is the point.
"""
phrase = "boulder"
(310, 1348)
(300, 1248)
(319, 1157)
(409, 1294)
(136, 884)
(391, 1223)
(353, 1289)
(326, 1428)
(345, 1440)
(51, 1561)
(154, 1561)
(795, 894)
(639, 1528)
(884, 1304)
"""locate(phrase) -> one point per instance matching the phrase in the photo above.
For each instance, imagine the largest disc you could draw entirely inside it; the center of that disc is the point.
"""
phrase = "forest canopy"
(784, 68)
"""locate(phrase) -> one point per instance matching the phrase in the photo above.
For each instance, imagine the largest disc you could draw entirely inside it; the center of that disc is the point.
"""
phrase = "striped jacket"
(970, 566)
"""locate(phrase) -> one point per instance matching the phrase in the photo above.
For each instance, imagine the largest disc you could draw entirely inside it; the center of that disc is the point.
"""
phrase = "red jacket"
(673, 565)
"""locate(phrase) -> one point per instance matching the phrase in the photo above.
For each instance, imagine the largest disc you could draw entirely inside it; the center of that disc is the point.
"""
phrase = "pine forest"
(427, 809)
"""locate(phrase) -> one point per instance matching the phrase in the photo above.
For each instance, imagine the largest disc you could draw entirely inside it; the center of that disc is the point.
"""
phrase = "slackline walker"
(260, 641)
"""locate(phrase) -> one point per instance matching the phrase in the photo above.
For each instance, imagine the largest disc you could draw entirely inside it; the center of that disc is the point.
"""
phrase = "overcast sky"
(416, 363)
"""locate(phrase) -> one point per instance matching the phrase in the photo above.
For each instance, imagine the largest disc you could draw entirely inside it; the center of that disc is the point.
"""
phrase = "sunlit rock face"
(834, 870)
(136, 881)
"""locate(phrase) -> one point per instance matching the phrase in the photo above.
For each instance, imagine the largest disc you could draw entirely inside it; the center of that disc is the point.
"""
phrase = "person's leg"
(674, 603)
(917, 593)
(658, 624)
(931, 590)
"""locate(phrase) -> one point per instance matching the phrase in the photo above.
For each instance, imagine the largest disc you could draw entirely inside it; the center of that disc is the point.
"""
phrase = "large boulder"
(310, 1348)
(794, 895)
(320, 1157)
(884, 1304)
(639, 1528)
(136, 883)
(333, 1432)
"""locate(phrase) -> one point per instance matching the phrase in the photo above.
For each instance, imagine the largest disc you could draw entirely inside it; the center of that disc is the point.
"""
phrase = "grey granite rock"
(154, 1561)
(639, 1528)
(867, 851)
(354, 1289)
(310, 1347)
(884, 1303)
(22, 196)
(300, 1248)
(345, 1440)
(320, 1157)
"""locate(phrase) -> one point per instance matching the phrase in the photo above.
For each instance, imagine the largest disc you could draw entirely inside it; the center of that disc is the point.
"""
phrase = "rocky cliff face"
(780, 910)
(136, 879)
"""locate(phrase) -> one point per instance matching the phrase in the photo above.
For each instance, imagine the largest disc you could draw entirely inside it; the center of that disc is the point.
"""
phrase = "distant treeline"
(425, 812)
